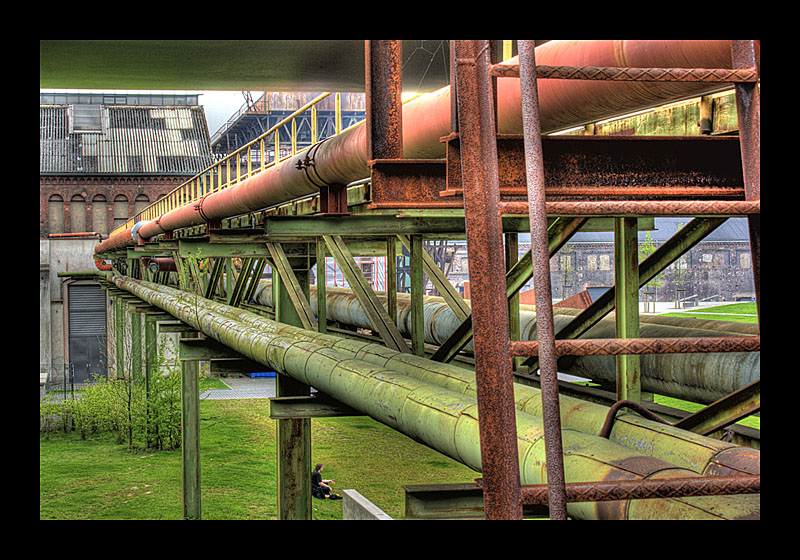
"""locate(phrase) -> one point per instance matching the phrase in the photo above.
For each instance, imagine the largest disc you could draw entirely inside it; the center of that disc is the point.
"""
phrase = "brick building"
(102, 158)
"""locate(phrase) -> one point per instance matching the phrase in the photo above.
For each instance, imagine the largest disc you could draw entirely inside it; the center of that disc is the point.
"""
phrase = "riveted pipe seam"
(413, 407)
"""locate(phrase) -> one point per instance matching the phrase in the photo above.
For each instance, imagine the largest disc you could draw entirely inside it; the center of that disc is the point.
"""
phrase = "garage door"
(87, 331)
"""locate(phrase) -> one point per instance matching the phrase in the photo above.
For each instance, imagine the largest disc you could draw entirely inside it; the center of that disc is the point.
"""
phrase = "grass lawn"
(99, 479)
(736, 312)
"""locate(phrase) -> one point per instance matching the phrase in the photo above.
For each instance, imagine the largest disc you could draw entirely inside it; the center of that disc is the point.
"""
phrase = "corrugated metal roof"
(145, 140)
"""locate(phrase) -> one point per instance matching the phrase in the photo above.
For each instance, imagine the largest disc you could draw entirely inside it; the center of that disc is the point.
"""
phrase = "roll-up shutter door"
(87, 330)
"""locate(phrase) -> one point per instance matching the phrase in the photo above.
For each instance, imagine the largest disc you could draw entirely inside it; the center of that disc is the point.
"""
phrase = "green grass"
(751, 421)
(99, 479)
(748, 314)
(736, 312)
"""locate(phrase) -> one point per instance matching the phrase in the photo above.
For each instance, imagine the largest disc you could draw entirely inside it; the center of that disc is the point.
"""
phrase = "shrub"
(139, 417)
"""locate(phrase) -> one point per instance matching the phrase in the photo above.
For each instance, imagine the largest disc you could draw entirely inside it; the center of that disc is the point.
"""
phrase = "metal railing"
(246, 161)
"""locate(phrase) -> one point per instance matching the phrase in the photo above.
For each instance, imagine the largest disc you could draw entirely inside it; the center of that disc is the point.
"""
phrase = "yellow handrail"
(204, 182)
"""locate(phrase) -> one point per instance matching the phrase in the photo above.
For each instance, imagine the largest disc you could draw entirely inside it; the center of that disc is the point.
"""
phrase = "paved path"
(242, 388)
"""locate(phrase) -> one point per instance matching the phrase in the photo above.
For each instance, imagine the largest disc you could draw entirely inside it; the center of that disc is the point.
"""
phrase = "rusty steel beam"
(495, 387)
(641, 208)
(648, 489)
(613, 73)
(625, 346)
(744, 54)
(563, 103)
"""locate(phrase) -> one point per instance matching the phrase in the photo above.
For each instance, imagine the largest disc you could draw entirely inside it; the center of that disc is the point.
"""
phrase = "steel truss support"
(382, 323)
(293, 450)
(680, 243)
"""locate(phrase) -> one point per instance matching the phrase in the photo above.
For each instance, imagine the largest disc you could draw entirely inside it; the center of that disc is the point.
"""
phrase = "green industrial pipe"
(442, 419)
(679, 447)
(702, 378)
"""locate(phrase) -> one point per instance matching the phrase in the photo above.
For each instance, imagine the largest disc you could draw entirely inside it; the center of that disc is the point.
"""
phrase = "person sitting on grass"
(320, 488)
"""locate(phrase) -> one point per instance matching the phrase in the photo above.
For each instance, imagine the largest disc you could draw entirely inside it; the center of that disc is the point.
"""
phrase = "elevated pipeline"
(702, 378)
(679, 447)
(443, 419)
(342, 159)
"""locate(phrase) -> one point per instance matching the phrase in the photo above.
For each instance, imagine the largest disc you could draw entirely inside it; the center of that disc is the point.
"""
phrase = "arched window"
(55, 214)
(100, 214)
(120, 210)
(142, 201)
(77, 213)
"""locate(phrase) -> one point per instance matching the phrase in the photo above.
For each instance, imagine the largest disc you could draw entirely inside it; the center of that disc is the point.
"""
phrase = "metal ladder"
(474, 74)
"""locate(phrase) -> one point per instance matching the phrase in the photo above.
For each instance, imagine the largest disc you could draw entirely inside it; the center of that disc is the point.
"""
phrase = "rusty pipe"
(342, 159)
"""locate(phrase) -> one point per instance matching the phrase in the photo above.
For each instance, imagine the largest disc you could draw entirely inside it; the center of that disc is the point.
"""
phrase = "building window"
(77, 213)
(100, 214)
(591, 262)
(55, 214)
(744, 260)
(120, 210)
(605, 262)
(86, 118)
(142, 201)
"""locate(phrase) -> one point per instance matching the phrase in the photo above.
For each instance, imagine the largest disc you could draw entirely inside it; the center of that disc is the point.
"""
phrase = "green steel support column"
(150, 368)
(417, 293)
(626, 273)
(190, 436)
(322, 279)
(228, 279)
(512, 256)
(294, 435)
(379, 318)
(119, 336)
(391, 276)
(136, 343)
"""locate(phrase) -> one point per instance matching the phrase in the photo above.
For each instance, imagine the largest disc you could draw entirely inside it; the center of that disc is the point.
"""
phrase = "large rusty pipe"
(679, 447)
(702, 378)
(442, 419)
(342, 159)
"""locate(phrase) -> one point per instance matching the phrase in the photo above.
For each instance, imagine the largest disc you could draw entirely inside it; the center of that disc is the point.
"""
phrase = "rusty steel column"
(383, 67)
(495, 388)
(748, 106)
(545, 332)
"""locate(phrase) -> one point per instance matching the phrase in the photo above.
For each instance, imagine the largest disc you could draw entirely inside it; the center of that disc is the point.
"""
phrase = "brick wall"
(89, 188)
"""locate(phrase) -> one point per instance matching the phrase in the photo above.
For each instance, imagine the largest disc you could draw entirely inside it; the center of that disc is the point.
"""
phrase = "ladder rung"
(641, 208)
(606, 490)
(620, 346)
(613, 73)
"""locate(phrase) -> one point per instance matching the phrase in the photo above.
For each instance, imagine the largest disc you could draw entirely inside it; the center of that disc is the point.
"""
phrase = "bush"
(121, 405)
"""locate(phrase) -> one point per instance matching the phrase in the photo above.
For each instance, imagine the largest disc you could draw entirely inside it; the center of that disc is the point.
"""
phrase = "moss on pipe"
(443, 419)
(680, 447)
